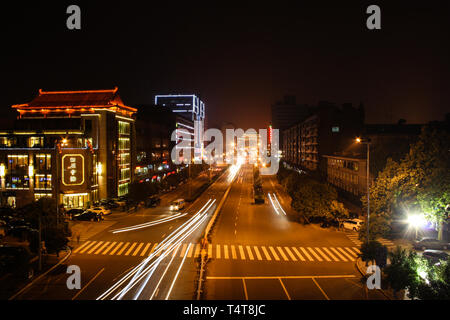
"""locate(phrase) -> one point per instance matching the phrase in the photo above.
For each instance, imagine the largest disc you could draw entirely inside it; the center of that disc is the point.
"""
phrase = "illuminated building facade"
(75, 146)
(191, 108)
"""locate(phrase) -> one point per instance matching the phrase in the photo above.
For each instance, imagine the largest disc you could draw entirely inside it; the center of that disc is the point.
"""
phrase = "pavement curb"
(41, 276)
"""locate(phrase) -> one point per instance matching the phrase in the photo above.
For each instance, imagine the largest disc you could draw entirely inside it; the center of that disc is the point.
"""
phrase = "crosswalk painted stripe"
(258, 255)
(225, 252)
(218, 251)
(95, 247)
(183, 250)
(137, 249)
(191, 250)
(87, 247)
(298, 254)
(306, 254)
(123, 248)
(241, 251)
(109, 248)
(250, 254)
(266, 253)
(233, 252)
(322, 254)
(346, 254)
(330, 254)
(116, 248)
(351, 252)
(102, 247)
(145, 249)
(131, 248)
(315, 254)
(290, 254)
(210, 250)
(197, 250)
(285, 258)
(153, 249)
(338, 254)
(274, 253)
(82, 246)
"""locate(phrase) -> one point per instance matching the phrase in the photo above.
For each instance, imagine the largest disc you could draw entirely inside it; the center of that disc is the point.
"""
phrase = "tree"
(338, 211)
(374, 251)
(436, 285)
(402, 274)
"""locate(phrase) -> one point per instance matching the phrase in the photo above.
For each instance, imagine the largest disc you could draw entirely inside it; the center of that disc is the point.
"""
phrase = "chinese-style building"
(75, 146)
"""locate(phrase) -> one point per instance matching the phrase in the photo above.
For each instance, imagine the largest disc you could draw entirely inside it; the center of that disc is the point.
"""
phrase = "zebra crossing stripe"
(116, 248)
(250, 254)
(145, 249)
(109, 248)
(298, 254)
(183, 250)
(210, 250)
(315, 254)
(258, 255)
(353, 253)
(233, 252)
(338, 254)
(82, 246)
(225, 251)
(330, 254)
(241, 251)
(282, 254)
(153, 249)
(87, 247)
(123, 249)
(274, 253)
(197, 250)
(290, 254)
(191, 250)
(102, 247)
(346, 254)
(95, 247)
(306, 254)
(322, 254)
(137, 249)
(131, 248)
(218, 251)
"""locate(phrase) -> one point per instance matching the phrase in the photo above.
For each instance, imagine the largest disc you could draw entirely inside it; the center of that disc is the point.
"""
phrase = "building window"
(7, 142)
(335, 129)
(43, 162)
(43, 181)
(17, 182)
(123, 189)
(18, 162)
(35, 142)
(38, 196)
(124, 127)
(124, 159)
(124, 143)
(125, 174)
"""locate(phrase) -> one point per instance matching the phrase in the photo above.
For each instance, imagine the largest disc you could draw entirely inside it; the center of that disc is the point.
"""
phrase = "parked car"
(352, 224)
(101, 210)
(435, 256)
(88, 215)
(152, 201)
(72, 212)
(328, 224)
(177, 205)
(17, 260)
(430, 243)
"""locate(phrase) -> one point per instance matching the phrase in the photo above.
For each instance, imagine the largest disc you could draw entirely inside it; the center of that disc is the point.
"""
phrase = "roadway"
(259, 254)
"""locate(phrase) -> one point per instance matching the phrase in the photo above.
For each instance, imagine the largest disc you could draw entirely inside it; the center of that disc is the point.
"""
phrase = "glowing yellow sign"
(73, 169)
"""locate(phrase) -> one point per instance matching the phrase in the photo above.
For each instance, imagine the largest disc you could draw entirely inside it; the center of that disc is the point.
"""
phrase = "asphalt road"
(262, 255)
(163, 243)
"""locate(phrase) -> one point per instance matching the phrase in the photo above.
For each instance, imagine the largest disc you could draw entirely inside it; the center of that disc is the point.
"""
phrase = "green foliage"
(420, 181)
(402, 273)
(433, 282)
(374, 251)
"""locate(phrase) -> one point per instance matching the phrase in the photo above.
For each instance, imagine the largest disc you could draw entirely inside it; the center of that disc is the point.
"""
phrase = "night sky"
(239, 58)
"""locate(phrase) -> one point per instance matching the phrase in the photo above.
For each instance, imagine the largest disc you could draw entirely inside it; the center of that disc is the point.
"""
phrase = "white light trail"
(176, 275)
(164, 248)
(279, 205)
(273, 205)
(149, 224)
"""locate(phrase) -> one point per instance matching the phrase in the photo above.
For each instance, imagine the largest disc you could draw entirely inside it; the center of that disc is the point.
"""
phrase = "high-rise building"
(287, 112)
(190, 107)
(74, 146)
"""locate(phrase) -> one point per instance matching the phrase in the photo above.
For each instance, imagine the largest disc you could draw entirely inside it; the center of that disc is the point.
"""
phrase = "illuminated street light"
(416, 221)
(367, 141)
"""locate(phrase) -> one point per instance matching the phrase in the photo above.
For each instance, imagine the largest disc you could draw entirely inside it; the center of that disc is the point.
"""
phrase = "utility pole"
(40, 241)
(367, 141)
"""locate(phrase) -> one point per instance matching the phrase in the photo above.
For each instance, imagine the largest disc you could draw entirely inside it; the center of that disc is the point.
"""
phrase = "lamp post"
(367, 142)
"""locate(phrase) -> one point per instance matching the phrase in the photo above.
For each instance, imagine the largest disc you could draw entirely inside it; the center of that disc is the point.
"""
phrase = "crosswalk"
(231, 252)
(354, 237)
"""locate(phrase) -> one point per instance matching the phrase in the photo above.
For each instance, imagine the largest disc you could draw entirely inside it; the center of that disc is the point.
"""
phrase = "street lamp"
(416, 221)
(367, 141)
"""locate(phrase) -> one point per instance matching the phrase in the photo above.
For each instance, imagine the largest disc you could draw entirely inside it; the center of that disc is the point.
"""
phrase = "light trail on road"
(149, 224)
(279, 205)
(146, 268)
(273, 205)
